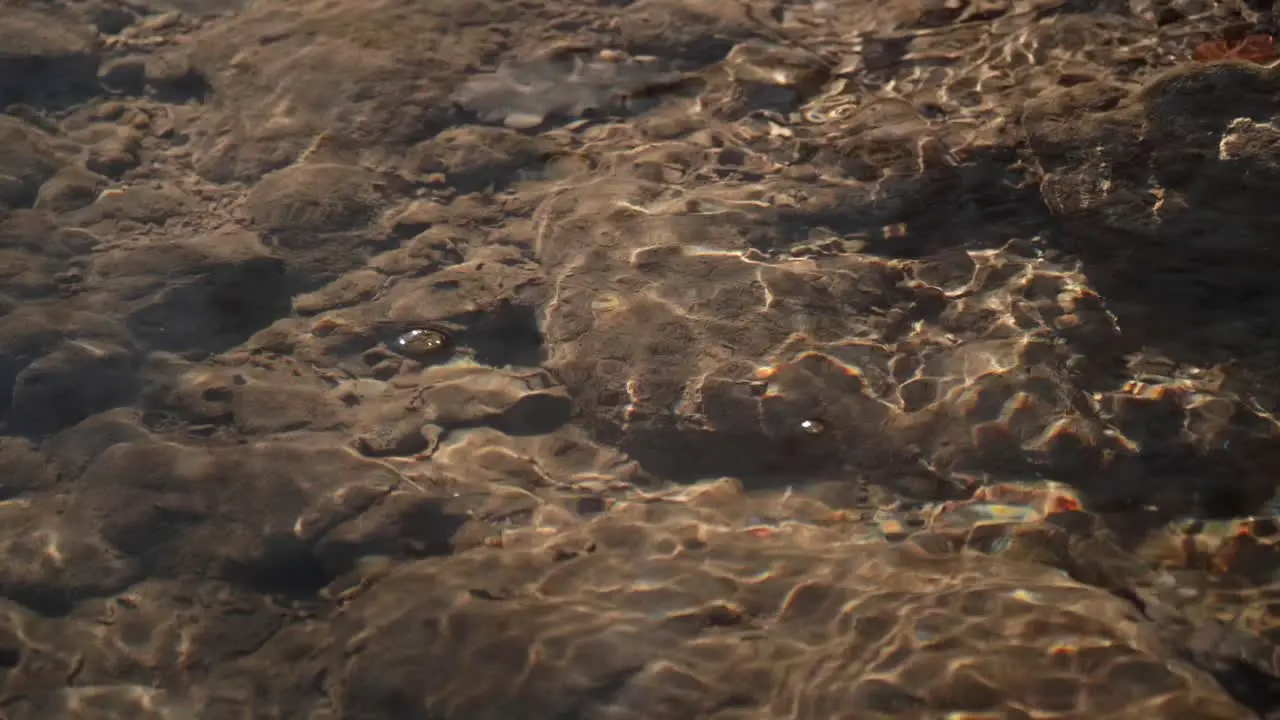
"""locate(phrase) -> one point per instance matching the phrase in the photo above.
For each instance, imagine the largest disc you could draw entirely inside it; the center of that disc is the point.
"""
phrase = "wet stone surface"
(632, 360)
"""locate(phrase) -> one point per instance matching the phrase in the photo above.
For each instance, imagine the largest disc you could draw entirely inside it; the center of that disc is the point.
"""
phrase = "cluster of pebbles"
(655, 359)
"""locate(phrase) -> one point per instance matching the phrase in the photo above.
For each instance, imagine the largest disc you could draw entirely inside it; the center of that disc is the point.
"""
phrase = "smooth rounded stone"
(250, 513)
(535, 413)
(28, 276)
(171, 77)
(145, 204)
(37, 232)
(245, 159)
(26, 470)
(41, 260)
(124, 75)
(187, 393)
(265, 407)
(350, 289)
(198, 295)
(76, 447)
(179, 257)
(406, 437)
(115, 155)
(430, 229)
(313, 198)
(44, 58)
(51, 564)
(251, 399)
(142, 204)
(505, 401)
(27, 160)
(70, 189)
(76, 380)
(405, 524)
(523, 120)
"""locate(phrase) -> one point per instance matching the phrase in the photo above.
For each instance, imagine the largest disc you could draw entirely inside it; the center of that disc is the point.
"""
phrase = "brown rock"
(144, 204)
(72, 188)
(117, 155)
(27, 160)
(26, 470)
(474, 158)
(44, 58)
(197, 294)
(308, 199)
(76, 380)
(251, 512)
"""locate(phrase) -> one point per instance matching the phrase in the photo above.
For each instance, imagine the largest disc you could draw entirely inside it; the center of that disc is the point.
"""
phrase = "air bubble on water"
(813, 427)
(422, 341)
